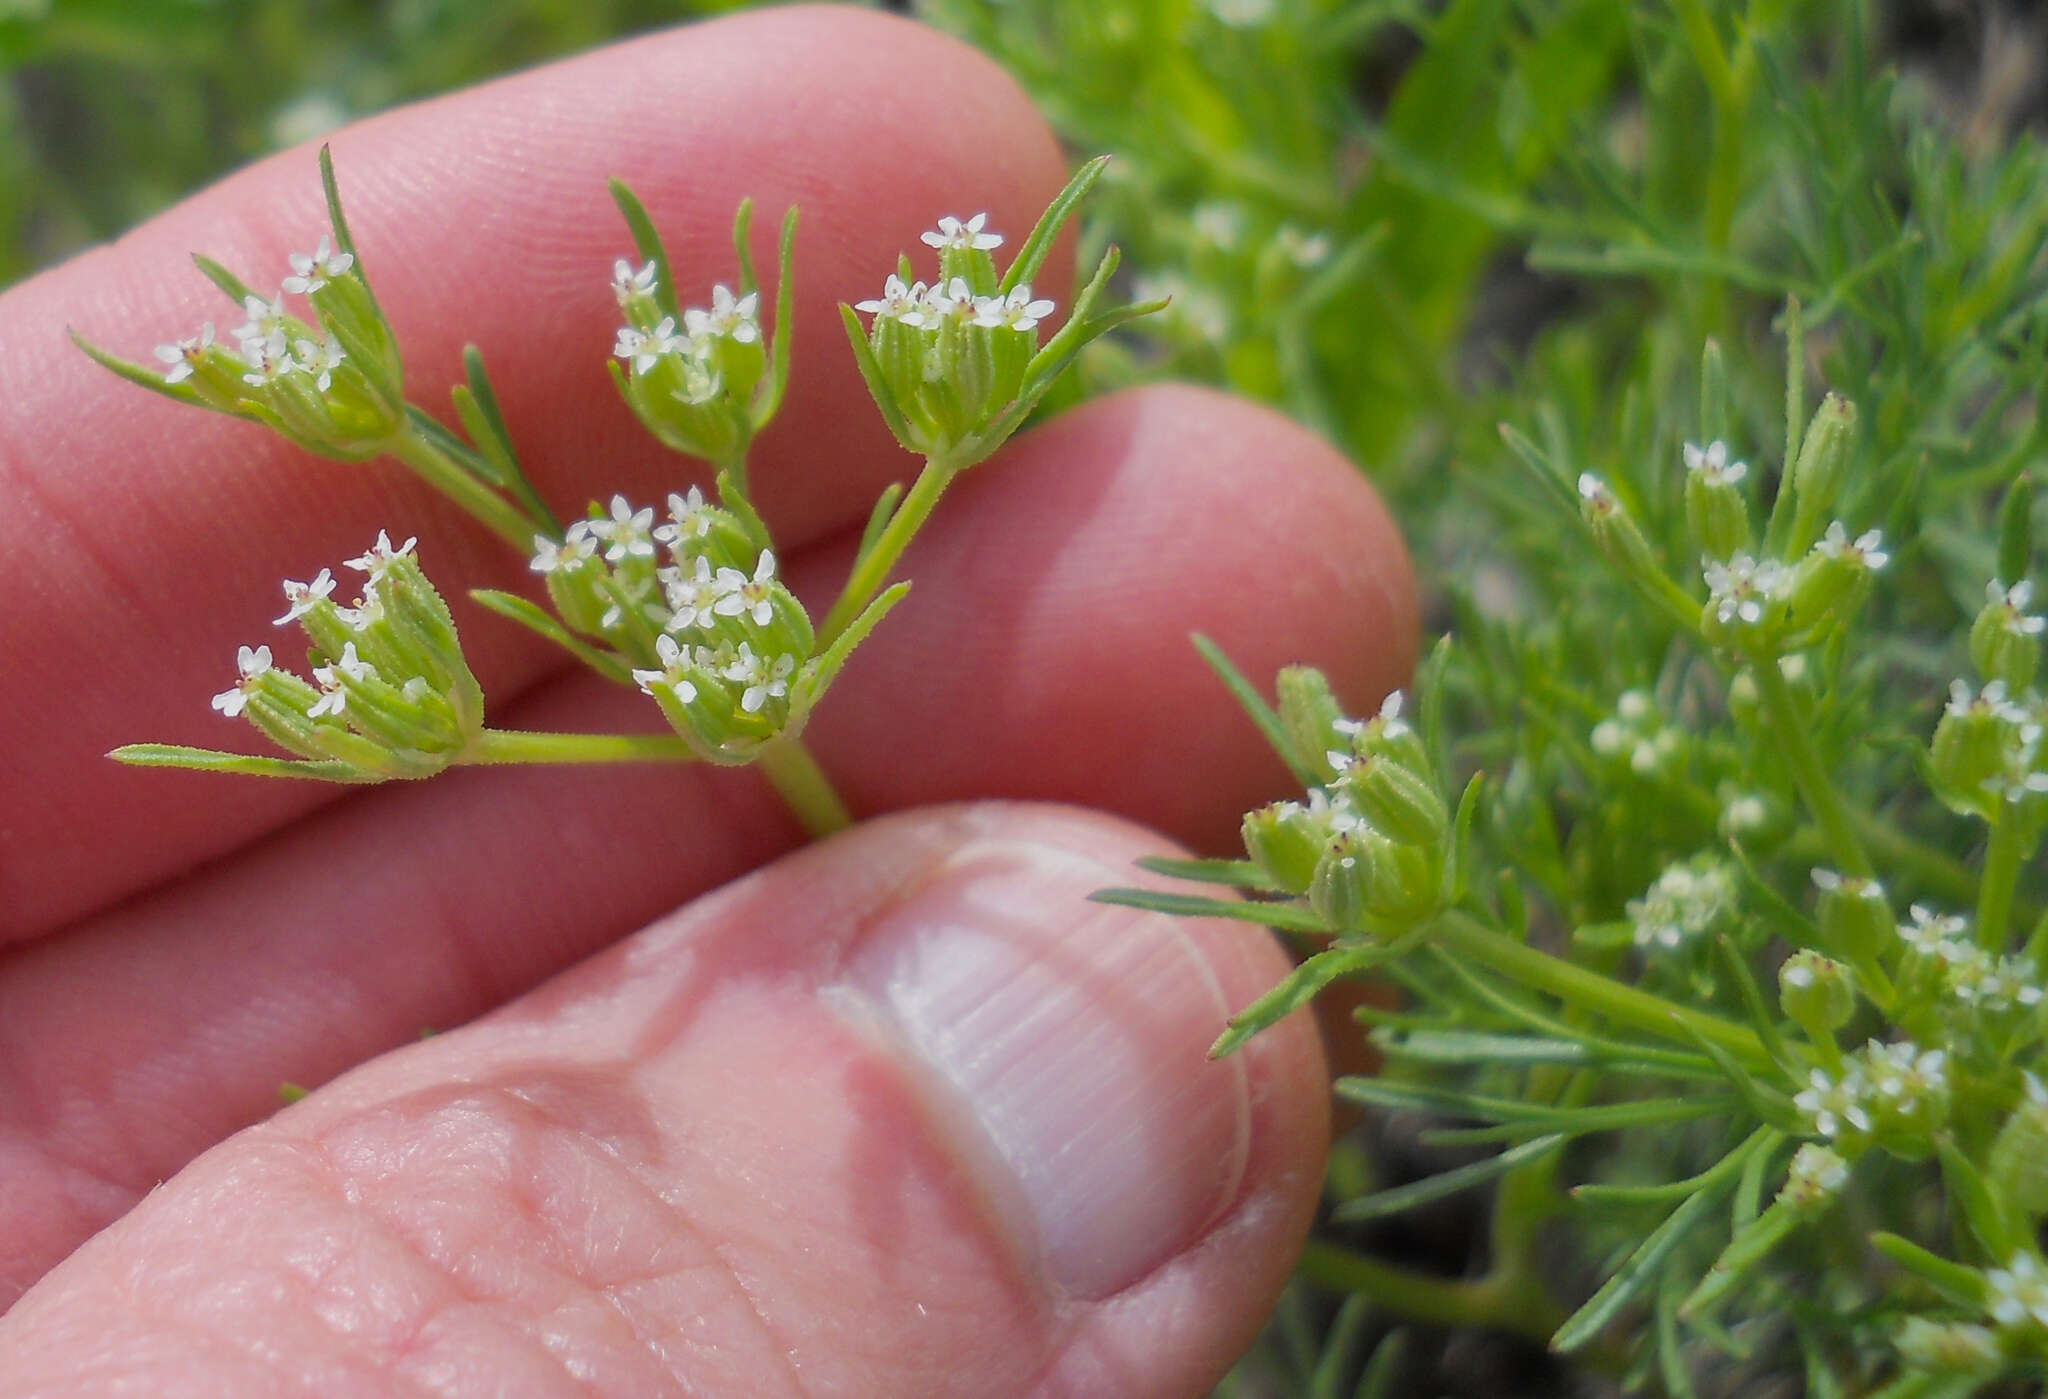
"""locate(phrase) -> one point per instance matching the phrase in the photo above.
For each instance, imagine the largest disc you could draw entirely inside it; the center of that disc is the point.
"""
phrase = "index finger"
(140, 542)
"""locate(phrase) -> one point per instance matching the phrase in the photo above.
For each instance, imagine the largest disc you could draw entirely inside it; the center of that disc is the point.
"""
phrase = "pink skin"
(186, 943)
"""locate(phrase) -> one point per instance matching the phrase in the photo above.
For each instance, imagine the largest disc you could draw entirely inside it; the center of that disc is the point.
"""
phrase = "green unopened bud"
(1367, 883)
(1618, 535)
(2018, 1163)
(1311, 718)
(1816, 478)
(1715, 510)
(1951, 1349)
(353, 320)
(2005, 642)
(1977, 734)
(1286, 840)
(1856, 921)
(1818, 993)
(1395, 800)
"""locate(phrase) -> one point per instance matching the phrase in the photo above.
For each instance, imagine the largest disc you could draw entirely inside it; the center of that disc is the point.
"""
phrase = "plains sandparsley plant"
(682, 600)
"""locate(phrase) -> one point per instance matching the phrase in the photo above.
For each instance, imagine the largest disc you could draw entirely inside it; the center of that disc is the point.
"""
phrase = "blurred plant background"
(1407, 222)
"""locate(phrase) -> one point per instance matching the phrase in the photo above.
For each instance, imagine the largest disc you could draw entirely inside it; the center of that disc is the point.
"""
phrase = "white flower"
(1018, 311)
(182, 355)
(898, 301)
(333, 697)
(954, 234)
(1595, 493)
(1834, 1103)
(380, 556)
(251, 664)
(302, 596)
(740, 594)
(954, 300)
(645, 348)
(267, 361)
(689, 518)
(2017, 1294)
(1866, 550)
(762, 680)
(1218, 224)
(629, 283)
(673, 659)
(1712, 465)
(1741, 588)
(265, 327)
(727, 317)
(1243, 14)
(692, 597)
(578, 544)
(1302, 249)
(1815, 1174)
(2014, 600)
(320, 361)
(311, 271)
(1931, 934)
(630, 531)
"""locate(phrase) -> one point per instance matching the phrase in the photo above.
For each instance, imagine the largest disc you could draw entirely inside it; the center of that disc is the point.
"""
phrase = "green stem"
(1807, 773)
(1616, 1001)
(1489, 1301)
(872, 571)
(495, 746)
(804, 785)
(505, 520)
(2002, 861)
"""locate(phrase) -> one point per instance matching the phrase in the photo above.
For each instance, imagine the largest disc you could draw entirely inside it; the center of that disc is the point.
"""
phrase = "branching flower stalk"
(691, 610)
(1775, 1010)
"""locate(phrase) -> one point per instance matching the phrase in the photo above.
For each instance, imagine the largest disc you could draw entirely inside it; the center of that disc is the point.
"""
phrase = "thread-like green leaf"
(1031, 256)
(174, 755)
(1405, 1197)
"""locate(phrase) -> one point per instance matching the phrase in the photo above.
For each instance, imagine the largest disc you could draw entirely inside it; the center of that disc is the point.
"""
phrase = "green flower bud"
(1973, 743)
(2005, 642)
(1286, 840)
(1312, 719)
(1395, 800)
(1856, 921)
(1817, 993)
(1368, 883)
(1715, 510)
(1618, 535)
(2018, 1163)
(1816, 478)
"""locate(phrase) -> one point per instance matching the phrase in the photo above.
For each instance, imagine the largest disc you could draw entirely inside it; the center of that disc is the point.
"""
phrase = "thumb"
(900, 1114)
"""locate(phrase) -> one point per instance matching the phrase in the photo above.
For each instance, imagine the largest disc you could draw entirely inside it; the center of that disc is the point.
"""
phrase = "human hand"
(896, 1114)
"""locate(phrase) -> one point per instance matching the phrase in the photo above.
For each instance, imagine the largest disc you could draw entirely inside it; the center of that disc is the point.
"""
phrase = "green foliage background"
(1407, 222)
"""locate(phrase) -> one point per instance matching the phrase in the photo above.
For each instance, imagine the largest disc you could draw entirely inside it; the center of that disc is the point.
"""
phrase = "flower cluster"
(1367, 847)
(1687, 902)
(954, 363)
(1897, 1093)
(1637, 734)
(330, 380)
(694, 612)
(391, 694)
(692, 387)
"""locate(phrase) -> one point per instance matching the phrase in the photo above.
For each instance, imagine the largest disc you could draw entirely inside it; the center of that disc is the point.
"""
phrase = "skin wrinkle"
(557, 1110)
